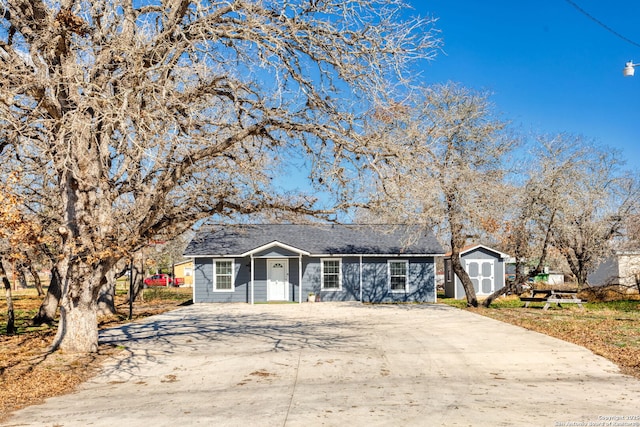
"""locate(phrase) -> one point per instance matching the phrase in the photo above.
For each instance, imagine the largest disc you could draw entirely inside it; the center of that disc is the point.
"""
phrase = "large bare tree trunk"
(464, 278)
(10, 313)
(106, 300)
(36, 278)
(22, 278)
(78, 326)
(77, 330)
(137, 276)
(455, 215)
(49, 307)
(509, 287)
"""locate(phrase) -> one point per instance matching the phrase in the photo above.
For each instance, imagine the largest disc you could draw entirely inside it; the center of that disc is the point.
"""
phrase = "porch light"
(629, 69)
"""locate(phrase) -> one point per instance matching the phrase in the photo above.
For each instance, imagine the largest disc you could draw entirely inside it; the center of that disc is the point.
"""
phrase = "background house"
(622, 269)
(184, 270)
(485, 266)
(287, 262)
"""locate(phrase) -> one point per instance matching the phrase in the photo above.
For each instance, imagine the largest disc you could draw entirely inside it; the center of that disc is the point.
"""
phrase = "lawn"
(608, 328)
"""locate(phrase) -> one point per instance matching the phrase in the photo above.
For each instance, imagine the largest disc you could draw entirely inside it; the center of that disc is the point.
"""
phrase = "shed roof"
(322, 239)
(473, 247)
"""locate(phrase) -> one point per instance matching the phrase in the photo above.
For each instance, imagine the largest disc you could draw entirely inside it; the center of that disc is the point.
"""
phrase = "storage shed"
(485, 266)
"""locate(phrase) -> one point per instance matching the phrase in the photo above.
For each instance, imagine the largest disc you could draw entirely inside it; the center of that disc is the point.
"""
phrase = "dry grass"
(29, 373)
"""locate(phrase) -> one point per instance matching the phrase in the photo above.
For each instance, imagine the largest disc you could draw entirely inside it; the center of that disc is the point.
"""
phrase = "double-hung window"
(331, 273)
(223, 275)
(398, 276)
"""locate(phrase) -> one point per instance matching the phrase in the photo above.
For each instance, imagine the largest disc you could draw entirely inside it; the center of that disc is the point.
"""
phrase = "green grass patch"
(510, 301)
(169, 294)
(627, 306)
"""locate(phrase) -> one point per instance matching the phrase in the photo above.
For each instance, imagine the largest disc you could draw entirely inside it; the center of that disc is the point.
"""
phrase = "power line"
(602, 24)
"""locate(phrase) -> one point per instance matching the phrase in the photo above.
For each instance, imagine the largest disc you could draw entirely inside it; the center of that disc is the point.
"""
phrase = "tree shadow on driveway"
(209, 329)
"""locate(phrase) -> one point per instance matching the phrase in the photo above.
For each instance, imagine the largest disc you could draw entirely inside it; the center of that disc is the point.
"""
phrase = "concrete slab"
(331, 364)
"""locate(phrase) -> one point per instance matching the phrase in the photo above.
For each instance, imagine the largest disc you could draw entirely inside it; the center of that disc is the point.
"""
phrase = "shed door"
(481, 275)
(277, 280)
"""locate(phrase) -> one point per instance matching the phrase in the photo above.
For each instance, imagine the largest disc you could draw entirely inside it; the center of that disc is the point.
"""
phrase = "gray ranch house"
(290, 262)
(486, 269)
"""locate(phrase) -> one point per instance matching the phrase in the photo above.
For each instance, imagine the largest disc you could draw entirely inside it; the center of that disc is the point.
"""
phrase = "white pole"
(360, 278)
(300, 279)
(252, 272)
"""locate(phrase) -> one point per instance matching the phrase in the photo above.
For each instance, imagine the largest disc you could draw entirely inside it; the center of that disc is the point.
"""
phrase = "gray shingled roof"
(227, 240)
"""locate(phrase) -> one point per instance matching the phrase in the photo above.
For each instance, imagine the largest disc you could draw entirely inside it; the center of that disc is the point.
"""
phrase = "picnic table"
(552, 296)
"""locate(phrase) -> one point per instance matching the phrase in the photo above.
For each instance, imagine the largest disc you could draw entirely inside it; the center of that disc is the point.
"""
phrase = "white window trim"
(406, 283)
(339, 288)
(233, 279)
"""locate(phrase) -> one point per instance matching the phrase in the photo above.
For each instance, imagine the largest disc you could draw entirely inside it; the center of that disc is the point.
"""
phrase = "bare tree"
(441, 161)
(11, 318)
(631, 239)
(143, 118)
(36, 276)
(20, 233)
(49, 307)
(591, 206)
(574, 199)
(534, 203)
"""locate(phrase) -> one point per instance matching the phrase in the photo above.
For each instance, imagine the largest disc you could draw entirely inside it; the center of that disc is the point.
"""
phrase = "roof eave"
(275, 244)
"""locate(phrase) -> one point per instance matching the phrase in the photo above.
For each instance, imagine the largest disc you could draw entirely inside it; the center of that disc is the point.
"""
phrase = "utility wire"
(602, 24)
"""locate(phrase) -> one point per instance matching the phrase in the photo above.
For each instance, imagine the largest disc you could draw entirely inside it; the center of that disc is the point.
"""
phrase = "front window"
(331, 274)
(223, 275)
(398, 276)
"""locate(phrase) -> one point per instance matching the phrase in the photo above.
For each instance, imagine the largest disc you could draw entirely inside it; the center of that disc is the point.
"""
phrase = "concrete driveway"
(336, 364)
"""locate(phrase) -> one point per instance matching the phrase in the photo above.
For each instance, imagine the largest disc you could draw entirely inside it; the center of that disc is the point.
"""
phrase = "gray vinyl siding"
(311, 280)
(421, 285)
(375, 280)
(421, 280)
(203, 282)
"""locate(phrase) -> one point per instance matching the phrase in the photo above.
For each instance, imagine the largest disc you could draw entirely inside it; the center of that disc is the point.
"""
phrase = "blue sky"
(550, 68)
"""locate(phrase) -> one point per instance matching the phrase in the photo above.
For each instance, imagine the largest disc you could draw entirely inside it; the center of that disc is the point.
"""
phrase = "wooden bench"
(553, 300)
(552, 296)
(529, 300)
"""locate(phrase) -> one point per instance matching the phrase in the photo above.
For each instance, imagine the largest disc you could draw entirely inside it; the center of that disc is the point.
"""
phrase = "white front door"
(481, 274)
(277, 275)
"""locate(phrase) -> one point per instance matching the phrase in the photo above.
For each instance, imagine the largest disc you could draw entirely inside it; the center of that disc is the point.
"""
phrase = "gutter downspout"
(299, 278)
(252, 273)
(360, 278)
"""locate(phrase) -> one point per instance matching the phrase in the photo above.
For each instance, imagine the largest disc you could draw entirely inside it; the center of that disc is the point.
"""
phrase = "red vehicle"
(161, 280)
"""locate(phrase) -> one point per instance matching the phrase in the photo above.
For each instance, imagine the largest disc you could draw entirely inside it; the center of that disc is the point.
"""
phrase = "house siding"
(375, 279)
(203, 278)
(184, 271)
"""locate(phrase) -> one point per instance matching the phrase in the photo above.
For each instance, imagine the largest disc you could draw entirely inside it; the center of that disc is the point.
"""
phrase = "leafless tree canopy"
(130, 120)
(582, 199)
(442, 163)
